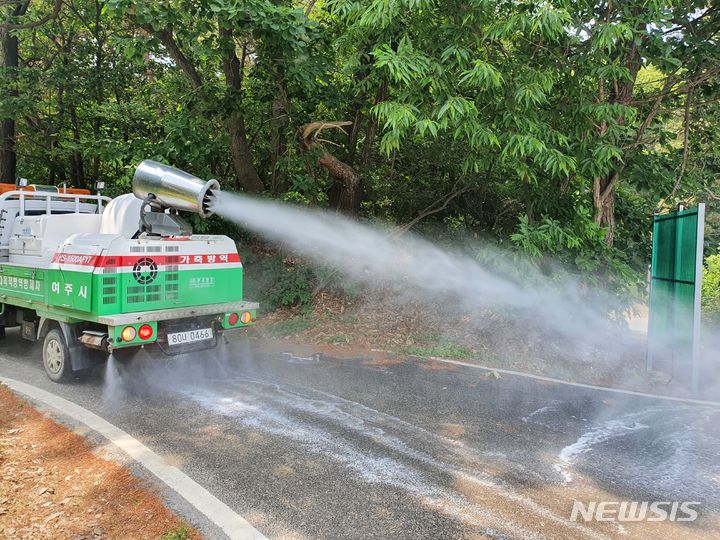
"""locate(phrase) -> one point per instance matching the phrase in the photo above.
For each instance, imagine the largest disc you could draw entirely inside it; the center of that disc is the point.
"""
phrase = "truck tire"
(56, 356)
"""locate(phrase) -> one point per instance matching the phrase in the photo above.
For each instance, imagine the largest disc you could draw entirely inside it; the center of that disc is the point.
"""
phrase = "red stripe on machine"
(117, 261)
(81, 259)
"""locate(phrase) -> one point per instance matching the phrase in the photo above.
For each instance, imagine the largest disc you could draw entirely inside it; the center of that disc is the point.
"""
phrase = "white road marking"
(231, 523)
(576, 384)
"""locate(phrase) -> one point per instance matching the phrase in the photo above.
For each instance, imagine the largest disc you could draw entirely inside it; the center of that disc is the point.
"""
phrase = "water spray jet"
(430, 274)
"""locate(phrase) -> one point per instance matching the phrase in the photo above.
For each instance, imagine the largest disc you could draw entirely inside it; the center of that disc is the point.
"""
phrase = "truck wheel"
(56, 356)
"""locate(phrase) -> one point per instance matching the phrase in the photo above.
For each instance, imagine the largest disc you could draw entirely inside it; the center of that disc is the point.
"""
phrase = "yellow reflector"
(128, 333)
(246, 317)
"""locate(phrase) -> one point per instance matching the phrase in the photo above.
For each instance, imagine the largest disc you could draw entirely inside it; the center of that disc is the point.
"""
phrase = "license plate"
(191, 336)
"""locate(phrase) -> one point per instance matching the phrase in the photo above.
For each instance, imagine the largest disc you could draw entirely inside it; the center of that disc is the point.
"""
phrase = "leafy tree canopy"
(556, 127)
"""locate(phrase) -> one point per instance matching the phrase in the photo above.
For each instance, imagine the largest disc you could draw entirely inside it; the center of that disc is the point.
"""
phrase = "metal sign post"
(699, 252)
(675, 290)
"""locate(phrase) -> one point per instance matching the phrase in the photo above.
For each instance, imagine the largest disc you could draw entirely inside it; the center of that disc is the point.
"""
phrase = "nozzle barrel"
(174, 188)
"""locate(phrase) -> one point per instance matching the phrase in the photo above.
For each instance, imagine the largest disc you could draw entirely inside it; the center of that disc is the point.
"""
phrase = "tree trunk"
(280, 110)
(278, 140)
(604, 187)
(371, 129)
(77, 165)
(58, 173)
(99, 87)
(604, 204)
(8, 157)
(168, 40)
(246, 177)
(347, 183)
(345, 191)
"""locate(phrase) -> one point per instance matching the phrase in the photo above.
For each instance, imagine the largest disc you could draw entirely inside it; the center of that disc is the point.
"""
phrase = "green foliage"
(339, 339)
(442, 349)
(288, 327)
(711, 289)
(579, 246)
(292, 288)
(521, 108)
(181, 532)
(278, 282)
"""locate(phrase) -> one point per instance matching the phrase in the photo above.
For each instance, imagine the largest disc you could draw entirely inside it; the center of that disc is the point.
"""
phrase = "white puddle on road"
(611, 429)
(381, 449)
(677, 450)
(548, 408)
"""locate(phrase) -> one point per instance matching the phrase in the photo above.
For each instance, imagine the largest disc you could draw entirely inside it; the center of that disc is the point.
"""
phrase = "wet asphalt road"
(308, 446)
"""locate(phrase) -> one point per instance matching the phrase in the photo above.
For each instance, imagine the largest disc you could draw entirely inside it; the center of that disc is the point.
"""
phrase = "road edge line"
(576, 384)
(220, 514)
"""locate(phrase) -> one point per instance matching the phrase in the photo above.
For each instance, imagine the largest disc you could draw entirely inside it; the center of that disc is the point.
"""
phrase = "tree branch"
(610, 185)
(433, 208)
(312, 130)
(686, 145)
(309, 7)
(24, 26)
(651, 114)
(168, 41)
(231, 62)
(668, 91)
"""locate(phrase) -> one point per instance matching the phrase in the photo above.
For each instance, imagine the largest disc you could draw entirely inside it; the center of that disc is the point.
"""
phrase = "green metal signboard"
(675, 286)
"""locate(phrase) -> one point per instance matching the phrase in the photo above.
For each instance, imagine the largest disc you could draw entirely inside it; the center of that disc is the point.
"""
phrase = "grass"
(288, 327)
(339, 338)
(343, 318)
(443, 349)
(181, 532)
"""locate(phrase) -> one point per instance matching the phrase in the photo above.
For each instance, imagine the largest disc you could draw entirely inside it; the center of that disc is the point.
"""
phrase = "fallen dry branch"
(344, 174)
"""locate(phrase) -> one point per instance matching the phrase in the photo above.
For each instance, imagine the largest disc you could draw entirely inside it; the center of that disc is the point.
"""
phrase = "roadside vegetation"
(552, 130)
(711, 289)
(181, 532)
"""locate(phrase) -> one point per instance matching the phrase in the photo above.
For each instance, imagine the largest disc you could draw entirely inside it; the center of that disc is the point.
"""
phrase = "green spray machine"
(90, 276)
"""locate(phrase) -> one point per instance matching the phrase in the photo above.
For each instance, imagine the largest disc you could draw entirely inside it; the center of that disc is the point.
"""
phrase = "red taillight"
(145, 331)
(246, 317)
(128, 333)
(233, 319)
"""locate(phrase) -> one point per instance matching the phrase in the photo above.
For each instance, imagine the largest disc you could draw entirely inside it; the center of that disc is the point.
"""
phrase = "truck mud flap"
(80, 356)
